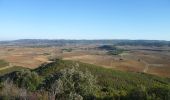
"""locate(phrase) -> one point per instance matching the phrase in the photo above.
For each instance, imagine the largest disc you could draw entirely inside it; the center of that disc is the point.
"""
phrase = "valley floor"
(135, 59)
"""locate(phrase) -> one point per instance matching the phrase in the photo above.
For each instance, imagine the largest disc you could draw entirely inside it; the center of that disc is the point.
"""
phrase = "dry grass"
(33, 57)
(26, 57)
(109, 62)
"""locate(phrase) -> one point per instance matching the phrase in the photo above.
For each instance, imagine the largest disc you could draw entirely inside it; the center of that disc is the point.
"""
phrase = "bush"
(74, 84)
(27, 79)
(159, 93)
(10, 91)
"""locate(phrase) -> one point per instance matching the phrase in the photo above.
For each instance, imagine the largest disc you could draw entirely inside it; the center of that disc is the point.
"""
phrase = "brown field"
(25, 57)
(136, 60)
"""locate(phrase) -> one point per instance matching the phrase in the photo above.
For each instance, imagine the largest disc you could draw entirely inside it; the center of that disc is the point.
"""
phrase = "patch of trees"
(67, 50)
(111, 49)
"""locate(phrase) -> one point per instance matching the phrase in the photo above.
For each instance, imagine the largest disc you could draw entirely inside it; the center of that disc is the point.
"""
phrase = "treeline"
(67, 80)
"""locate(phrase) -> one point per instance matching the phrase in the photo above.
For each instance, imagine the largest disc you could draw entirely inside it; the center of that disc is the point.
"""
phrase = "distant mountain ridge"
(59, 42)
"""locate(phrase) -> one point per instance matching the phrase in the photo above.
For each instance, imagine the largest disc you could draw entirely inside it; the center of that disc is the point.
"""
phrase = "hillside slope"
(111, 84)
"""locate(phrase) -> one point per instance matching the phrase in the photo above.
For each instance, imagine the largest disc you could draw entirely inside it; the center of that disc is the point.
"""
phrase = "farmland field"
(134, 59)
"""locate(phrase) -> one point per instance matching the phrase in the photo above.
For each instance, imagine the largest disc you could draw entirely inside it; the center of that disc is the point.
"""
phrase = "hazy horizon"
(80, 39)
(85, 19)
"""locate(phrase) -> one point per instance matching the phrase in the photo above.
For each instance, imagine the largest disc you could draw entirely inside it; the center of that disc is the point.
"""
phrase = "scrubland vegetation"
(68, 80)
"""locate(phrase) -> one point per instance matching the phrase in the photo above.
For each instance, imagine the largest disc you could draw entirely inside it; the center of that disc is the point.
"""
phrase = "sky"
(85, 19)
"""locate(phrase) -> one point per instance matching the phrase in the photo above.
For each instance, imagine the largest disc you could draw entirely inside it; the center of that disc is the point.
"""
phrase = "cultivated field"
(135, 59)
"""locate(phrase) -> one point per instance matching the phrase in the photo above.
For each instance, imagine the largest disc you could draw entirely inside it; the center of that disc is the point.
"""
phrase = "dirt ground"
(136, 59)
(26, 57)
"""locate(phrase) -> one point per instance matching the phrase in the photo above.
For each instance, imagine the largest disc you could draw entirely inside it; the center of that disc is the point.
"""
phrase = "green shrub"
(159, 92)
(137, 94)
(27, 79)
(74, 84)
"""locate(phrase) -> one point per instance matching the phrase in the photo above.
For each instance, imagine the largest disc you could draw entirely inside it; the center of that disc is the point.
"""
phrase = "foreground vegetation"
(68, 80)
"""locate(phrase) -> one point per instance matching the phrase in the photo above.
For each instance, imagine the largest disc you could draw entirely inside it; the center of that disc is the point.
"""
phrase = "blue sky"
(85, 19)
